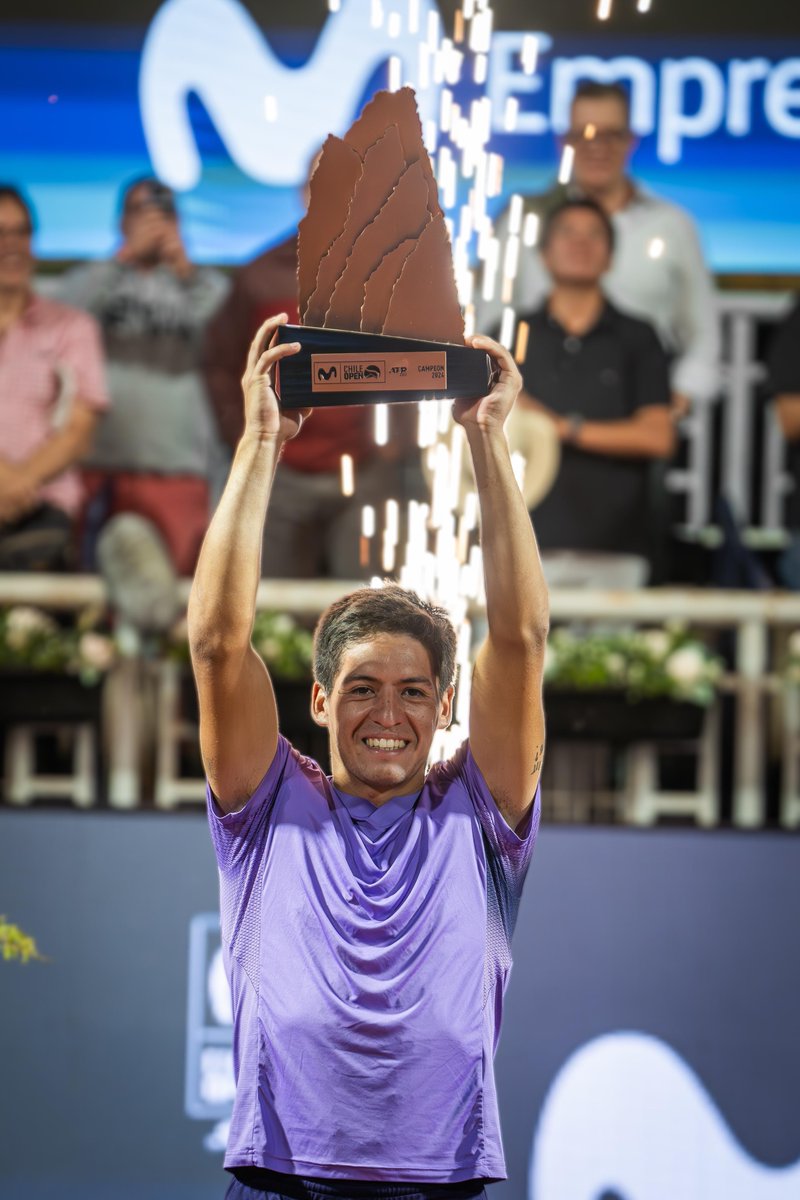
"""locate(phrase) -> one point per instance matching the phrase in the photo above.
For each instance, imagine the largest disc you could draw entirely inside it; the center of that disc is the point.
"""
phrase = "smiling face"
(16, 258)
(382, 713)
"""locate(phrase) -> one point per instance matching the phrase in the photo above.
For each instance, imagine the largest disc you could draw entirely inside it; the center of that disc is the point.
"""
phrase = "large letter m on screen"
(214, 49)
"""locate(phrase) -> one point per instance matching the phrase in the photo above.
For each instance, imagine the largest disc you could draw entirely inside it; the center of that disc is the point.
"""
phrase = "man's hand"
(18, 492)
(173, 252)
(264, 419)
(491, 411)
(145, 232)
(681, 406)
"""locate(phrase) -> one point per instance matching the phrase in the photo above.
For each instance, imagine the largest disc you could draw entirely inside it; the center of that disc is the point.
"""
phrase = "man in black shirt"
(603, 379)
(784, 378)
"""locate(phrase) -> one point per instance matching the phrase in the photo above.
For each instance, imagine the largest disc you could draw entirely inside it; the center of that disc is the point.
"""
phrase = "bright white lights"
(530, 229)
(515, 214)
(381, 424)
(367, 521)
(510, 114)
(529, 55)
(395, 74)
(566, 164)
(507, 328)
(347, 475)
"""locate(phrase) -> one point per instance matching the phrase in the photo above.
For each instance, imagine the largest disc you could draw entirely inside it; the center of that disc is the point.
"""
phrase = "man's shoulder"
(448, 773)
(647, 201)
(51, 313)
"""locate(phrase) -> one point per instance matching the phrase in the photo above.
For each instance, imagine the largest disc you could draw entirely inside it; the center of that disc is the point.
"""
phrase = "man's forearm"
(223, 596)
(61, 451)
(516, 593)
(624, 439)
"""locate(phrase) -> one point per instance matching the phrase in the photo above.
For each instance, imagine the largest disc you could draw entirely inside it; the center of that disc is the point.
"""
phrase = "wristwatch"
(574, 425)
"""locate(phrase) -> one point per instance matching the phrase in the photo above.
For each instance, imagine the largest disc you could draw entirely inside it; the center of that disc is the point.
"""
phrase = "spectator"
(52, 389)
(602, 378)
(314, 528)
(784, 378)
(658, 272)
(149, 470)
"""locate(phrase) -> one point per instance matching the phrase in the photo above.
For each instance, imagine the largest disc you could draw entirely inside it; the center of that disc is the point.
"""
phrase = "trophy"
(379, 311)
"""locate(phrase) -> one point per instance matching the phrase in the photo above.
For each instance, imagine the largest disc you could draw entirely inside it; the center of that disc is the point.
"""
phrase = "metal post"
(751, 661)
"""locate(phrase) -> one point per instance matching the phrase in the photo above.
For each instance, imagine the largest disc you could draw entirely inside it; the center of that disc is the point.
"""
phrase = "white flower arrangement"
(285, 646)
(638, 663)
(35, 641)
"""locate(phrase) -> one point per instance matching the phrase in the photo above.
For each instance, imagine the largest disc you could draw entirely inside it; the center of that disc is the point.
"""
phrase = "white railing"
(744, 424)
(752, 615)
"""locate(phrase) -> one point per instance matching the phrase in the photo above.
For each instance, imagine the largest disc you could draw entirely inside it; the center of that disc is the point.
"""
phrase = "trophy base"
(335, 367)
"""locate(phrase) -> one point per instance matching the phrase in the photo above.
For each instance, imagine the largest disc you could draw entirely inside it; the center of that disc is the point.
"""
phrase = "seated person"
(603, 380)
(784, 379)
(52, 389)
(149, 469)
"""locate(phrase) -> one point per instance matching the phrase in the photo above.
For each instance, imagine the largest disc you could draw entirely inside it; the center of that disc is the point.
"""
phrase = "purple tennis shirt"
(368, 950)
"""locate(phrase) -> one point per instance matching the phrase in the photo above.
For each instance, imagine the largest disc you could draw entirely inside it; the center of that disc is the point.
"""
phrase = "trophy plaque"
(379, 311)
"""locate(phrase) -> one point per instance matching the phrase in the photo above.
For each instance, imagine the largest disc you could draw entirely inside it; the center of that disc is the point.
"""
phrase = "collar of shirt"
(376, 817)
(640, 195)
(604, 321)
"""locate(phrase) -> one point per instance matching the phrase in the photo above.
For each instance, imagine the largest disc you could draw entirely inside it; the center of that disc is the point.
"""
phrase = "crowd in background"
(120, 400)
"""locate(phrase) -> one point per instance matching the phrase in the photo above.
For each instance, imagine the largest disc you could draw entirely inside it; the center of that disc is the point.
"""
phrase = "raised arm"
(506, 714)
(238, 715)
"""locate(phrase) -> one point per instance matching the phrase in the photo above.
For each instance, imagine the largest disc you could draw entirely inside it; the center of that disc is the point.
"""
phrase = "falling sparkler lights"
(440, 558)
(381, 424)
(347, 475)
(566, 164)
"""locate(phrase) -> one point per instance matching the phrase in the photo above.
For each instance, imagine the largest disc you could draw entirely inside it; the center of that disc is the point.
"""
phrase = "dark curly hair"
(389, 609)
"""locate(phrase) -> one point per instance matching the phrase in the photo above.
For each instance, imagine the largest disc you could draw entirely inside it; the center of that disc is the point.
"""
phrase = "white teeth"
(385, 743)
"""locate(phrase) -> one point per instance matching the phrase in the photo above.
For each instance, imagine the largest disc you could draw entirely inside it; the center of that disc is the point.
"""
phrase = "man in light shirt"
(658, 272)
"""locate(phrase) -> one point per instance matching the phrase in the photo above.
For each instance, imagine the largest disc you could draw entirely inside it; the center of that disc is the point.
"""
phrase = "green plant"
(640, 663)
(16, 944)
(285, 646)
(32, 639)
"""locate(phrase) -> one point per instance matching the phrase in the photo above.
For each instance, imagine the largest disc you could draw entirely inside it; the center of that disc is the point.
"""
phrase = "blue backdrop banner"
(230, 114)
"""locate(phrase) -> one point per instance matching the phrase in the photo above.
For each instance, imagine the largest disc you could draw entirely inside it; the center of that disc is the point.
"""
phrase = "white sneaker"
(141, 580)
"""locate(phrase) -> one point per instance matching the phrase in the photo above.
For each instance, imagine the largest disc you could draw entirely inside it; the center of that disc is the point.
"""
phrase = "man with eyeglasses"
(52, 390)
(658, 272)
